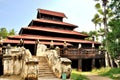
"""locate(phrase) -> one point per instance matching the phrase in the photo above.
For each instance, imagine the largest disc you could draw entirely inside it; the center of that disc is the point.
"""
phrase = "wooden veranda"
(86, 58)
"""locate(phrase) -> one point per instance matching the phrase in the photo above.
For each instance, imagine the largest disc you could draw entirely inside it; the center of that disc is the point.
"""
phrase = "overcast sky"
(15, 14)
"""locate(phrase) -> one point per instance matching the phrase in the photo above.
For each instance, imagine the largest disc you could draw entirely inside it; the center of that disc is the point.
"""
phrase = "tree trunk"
(106, 60)
(111, 61)
(117, 63)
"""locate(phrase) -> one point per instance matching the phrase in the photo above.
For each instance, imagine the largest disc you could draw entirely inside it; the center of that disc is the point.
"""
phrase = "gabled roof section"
(53, 13)
(53, 22)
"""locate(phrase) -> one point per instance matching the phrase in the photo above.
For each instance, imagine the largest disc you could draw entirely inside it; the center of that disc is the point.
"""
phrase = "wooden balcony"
(75, 53)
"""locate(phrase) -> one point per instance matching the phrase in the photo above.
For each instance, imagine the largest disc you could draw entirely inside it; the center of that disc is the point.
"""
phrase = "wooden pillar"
(1, 66)
(79, 64)
(93, 63)
(102, 62)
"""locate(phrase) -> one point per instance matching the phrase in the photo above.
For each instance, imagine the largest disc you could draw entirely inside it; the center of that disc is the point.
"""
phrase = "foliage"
(114, 24)
(12, 32)
(115, 7)
(83, 32)
(4, 33)
(97, 20)
(114, 38)
(75, 75)
(111, 11)
(113, 73)
(101, 70)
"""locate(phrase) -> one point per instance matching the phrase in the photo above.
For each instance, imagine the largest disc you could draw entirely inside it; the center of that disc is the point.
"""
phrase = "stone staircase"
(44, 70)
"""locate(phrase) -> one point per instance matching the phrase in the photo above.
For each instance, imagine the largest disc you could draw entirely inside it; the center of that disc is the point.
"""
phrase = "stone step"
(46, 75)
(46, 72)
(44, 69)
(43, 64)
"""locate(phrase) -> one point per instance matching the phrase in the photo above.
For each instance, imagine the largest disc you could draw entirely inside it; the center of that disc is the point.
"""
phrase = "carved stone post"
(21, 42)
(58, 50)
(8, 64)
(35, 48)
(32, 73)
(65, 48)
(51, 45)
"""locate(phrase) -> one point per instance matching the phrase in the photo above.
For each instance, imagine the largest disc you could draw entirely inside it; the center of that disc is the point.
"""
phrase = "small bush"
(113, 73)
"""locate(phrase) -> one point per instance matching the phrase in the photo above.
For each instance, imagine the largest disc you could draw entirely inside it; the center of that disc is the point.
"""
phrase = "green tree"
(114, 40)
(113, 35)
(4, 33)
(115, 7)
(91, 34)
(12, 32)
(114, 27)
(111, 22)
(103, 11)
(97, 20)
(102, 17)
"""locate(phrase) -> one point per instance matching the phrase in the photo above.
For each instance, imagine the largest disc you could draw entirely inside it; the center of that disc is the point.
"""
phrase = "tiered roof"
(47, 30)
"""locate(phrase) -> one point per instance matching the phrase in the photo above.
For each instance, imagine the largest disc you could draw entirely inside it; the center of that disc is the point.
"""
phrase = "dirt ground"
(96, 77)
(19, 78)
(10, 77)
(92, 76)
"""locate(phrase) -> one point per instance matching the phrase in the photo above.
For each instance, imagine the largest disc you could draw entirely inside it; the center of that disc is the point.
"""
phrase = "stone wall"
(12, 61)
(19, 61)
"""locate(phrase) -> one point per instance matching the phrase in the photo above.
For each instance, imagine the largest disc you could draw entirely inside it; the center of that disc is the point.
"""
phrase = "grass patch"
(101, 70)
(113, 73)
(75, 75)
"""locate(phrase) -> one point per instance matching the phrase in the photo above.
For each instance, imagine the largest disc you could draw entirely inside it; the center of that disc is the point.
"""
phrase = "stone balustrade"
(19, 61)
(58, 64)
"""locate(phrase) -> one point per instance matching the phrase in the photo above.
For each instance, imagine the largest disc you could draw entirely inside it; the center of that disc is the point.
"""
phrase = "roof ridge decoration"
(53, 13)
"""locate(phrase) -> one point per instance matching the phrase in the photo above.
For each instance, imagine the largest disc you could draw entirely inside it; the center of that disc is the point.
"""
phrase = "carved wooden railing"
(74, 53)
